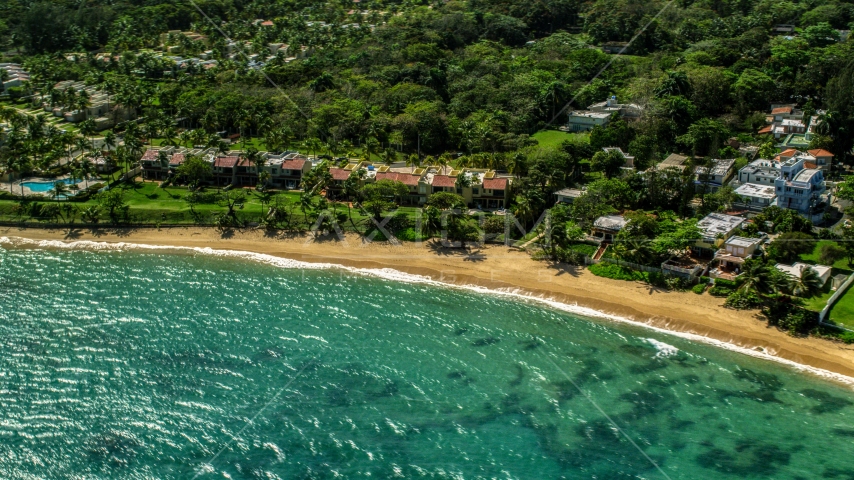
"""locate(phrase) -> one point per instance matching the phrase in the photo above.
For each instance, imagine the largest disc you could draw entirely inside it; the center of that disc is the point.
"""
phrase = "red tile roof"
(444, 181)
(404, 178)
(788, 153)
(177, 159)
(293, 164)
(810, 165)
(495, 183)
(226, 162)
(819, 152)
(781, 110)
(150, 154)
(765, 129)
(267, 23)
(339, 173)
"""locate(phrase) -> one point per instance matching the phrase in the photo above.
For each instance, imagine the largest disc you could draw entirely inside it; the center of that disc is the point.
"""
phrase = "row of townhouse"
(480, 188)
(16, 76)
(101, 108)
(286, 170)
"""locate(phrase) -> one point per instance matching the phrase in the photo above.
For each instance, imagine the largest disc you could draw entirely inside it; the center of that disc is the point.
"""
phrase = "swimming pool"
(44, 187)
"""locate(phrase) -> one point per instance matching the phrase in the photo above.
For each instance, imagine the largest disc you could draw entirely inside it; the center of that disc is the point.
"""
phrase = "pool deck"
(18, 189)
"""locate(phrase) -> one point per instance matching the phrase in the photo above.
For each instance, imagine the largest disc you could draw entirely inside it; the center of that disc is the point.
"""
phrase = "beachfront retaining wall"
(833, 298)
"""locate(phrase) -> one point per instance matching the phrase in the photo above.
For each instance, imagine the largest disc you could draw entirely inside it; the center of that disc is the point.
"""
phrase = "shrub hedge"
(717, 291)
(617, 272)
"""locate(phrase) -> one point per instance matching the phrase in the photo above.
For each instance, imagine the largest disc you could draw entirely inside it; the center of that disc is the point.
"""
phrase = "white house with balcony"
(730, 258)
(760, 172)
(800, 189)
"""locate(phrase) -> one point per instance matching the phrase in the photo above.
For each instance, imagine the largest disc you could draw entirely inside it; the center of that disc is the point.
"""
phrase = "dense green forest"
(476, 76)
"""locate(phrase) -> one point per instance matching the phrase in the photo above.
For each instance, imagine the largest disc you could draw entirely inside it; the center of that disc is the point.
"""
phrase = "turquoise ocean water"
(144, 364)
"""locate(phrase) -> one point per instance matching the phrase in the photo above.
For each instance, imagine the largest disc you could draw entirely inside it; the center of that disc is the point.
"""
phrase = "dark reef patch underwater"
(149, 365)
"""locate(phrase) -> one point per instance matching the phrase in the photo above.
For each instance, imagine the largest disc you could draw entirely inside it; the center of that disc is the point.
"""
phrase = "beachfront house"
(224, 169)
(715, 226)
(412, 179)
(480, 188)
(287, 171)
(443, 183)
(799, 188)
(607, 227)
(729, 259)
(336, 187)
(796, 269)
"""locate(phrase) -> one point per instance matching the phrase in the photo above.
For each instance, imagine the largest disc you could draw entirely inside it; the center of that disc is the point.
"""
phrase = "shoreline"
(506, 271)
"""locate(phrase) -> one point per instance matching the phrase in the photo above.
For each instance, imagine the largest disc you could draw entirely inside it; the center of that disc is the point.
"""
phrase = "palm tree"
(82, 103)
(253, 156)
(674, 83)
(86, 170)
(444, 160)
(110, 140)
(413, 161)
(313, 145)
(523, 210)
(80, 143)
(778, 282)
(184, 138)
(87, 128)
(518, 164)
(807, 284)
(169, 136)
(306, 205)
(634, 250)
(7, 160)
(59, 189)
(754, 276)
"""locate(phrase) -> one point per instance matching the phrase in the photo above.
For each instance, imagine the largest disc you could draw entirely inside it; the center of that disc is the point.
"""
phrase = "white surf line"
(397, 275)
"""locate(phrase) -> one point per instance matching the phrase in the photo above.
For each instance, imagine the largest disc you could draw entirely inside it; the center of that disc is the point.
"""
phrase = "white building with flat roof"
(756, 195)
(763, 172)
(584, 120)
(713, 178)
(714, 226)
(796, 269)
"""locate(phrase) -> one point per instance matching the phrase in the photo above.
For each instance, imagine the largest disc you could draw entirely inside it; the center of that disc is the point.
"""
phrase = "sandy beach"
(500, 267)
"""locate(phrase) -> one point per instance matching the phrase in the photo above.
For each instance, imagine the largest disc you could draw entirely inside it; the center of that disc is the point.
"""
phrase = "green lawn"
(818, 302)
(150, 204)
(812, 258)
(553, 138)
(843, 310)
